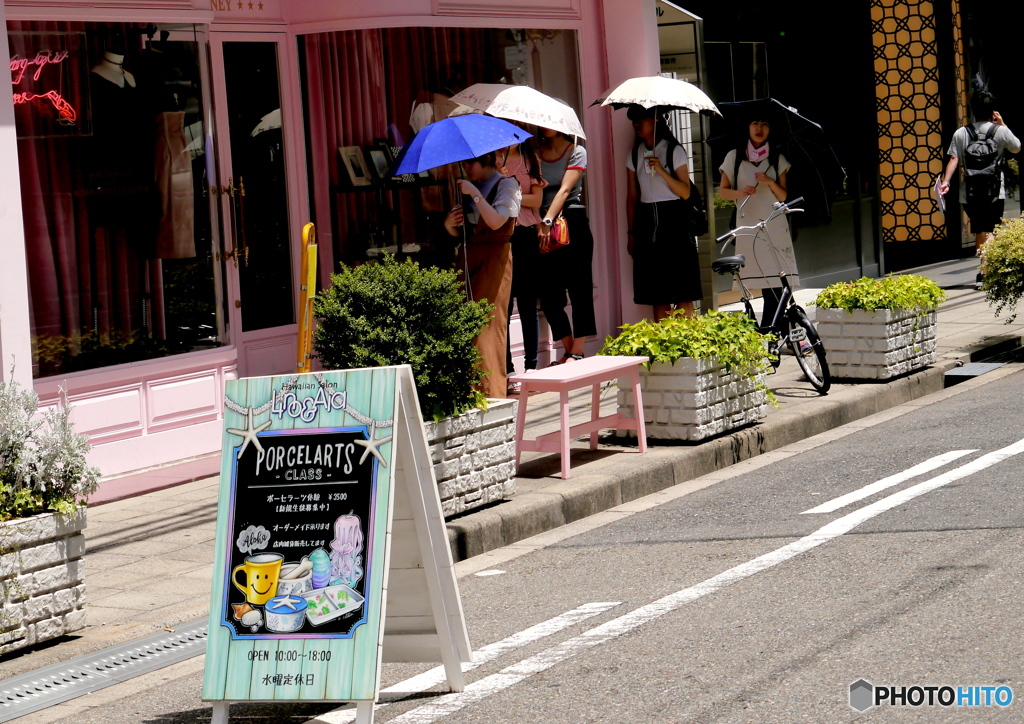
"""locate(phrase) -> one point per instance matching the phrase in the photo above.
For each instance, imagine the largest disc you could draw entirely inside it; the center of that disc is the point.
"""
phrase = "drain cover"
(67, 680)
(969, 371)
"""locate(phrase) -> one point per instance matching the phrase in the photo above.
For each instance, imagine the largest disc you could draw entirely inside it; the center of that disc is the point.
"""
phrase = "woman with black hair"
(754, 176)
(666, 269)
(566, 273)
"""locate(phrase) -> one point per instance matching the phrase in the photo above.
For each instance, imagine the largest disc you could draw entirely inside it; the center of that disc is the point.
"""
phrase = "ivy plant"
(732, 339)
(906, 291)
(393, 313)
(1003, 260)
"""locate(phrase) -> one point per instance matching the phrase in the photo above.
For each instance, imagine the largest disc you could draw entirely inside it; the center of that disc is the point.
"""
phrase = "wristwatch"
(476, 199)
(548, 221)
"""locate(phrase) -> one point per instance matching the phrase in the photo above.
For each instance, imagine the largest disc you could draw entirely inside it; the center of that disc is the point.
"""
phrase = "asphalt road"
(719, 603)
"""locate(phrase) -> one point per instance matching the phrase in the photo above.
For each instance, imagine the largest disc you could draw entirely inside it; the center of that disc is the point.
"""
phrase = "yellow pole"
(307, 292)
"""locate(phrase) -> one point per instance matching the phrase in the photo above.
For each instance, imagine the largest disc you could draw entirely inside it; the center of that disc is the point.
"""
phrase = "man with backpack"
(979, 150)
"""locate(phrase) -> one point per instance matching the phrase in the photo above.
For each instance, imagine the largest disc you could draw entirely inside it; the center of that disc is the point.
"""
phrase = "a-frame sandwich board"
(332, 554)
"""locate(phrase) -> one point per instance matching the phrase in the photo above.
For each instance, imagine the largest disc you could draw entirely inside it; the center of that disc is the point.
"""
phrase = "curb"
(529, 514)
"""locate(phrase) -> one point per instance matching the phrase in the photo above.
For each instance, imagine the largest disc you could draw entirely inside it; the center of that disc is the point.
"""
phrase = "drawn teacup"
(262, 572)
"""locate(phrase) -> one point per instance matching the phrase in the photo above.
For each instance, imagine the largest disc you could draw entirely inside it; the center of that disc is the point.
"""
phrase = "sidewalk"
(149, 559)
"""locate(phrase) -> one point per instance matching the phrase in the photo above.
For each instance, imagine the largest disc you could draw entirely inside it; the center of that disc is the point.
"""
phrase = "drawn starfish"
(249, 434)
(371, 448)
(290, 601)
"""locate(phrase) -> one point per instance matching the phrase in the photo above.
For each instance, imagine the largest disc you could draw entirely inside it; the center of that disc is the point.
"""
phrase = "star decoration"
(371, 446)
(249, 434)
(260, 6)
(291, 602)
(239, 5)
(250, 4)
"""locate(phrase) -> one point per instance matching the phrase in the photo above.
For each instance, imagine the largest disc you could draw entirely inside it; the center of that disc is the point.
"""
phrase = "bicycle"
(790, 324)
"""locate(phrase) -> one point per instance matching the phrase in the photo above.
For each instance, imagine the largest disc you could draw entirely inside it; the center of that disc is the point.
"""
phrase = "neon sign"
(20, 68)
(65, 109)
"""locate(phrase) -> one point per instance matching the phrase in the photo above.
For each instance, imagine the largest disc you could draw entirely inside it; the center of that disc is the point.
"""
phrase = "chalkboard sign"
(300, 518)
(311, 469)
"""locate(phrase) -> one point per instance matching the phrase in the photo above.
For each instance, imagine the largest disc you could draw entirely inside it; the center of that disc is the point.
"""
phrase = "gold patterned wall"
(960, 61)
(910, 139)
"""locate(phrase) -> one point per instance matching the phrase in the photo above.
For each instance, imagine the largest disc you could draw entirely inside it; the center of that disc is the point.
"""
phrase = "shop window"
(113, 164)
(367, 92)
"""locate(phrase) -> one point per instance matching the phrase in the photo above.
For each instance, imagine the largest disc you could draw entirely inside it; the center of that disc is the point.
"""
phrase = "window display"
(113, 164)
(365, 90)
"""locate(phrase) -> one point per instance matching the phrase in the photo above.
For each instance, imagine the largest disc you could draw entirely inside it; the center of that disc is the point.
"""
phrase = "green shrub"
(1003, 259)
(393, 313)
(720, 202)
(906, 291)
(732, 339)
(42, 458)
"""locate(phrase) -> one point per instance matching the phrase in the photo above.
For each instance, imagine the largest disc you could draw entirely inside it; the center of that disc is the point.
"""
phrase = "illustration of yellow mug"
(261, 574)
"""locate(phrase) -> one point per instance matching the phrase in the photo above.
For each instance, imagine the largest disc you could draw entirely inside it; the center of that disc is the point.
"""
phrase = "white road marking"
(511, 675)
(868, 490)
(492, 572)
(433, 677)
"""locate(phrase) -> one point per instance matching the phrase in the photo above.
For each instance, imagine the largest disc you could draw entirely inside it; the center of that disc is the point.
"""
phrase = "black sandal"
(565, 358)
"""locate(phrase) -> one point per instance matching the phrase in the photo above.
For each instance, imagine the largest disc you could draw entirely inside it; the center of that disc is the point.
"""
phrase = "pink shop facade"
(169, 152)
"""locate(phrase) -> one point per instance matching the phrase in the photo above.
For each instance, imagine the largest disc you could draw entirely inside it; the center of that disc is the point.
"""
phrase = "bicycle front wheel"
(808, 349)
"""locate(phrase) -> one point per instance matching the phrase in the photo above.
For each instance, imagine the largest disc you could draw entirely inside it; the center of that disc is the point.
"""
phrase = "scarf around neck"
(756, 155)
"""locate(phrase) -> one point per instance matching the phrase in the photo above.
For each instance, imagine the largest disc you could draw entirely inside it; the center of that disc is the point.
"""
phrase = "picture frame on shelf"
(355, 165)
(380, 161)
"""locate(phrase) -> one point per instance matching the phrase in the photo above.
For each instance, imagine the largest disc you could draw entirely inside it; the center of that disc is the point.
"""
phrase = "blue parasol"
(456, 139)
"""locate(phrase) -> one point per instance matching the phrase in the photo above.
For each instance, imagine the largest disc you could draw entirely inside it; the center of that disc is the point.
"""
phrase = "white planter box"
(694, 399)
(41, 579)
(876, 345)
(474, 456)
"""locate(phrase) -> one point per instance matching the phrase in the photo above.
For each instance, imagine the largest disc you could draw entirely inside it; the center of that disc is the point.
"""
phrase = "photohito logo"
(864, 695)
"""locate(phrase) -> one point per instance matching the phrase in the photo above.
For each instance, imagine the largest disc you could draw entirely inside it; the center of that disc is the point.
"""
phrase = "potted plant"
(393, 313)
(878, 329)
(1003, 260)
(44, 480)
(705, 374)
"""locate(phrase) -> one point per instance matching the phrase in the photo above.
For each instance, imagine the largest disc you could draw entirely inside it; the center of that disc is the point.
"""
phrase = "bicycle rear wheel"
(808, 349)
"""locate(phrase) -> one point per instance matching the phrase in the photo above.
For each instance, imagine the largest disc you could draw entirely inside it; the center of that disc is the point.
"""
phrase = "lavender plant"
(42, 458)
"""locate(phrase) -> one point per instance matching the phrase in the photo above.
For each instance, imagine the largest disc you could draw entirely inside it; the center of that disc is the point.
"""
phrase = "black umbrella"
(816, 174)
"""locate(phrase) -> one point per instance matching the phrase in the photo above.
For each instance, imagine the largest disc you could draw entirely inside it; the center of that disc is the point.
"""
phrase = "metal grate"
(970, 371)
(61, 682)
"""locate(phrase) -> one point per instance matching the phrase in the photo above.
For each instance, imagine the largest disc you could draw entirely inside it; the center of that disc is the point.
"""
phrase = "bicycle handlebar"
(779, 208)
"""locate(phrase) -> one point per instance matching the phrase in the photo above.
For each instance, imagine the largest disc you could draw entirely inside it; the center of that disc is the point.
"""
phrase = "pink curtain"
(345, 93)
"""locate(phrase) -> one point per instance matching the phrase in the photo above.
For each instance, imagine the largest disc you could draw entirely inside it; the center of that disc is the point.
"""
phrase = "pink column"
(15, 329)
(620, 41)
(633, 51)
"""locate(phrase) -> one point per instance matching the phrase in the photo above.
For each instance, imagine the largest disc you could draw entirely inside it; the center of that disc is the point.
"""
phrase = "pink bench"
(570, 376)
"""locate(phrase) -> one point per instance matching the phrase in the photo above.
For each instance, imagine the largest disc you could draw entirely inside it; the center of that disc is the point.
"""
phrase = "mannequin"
(111, 68)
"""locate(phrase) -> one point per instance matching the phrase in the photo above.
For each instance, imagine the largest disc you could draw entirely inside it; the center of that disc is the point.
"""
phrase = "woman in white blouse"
(666, 269)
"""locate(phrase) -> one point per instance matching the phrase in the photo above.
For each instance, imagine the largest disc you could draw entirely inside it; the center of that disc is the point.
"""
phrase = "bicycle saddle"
(728, 264)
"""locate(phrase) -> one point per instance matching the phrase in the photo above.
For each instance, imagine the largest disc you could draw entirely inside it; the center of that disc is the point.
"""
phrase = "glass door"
(254, 198)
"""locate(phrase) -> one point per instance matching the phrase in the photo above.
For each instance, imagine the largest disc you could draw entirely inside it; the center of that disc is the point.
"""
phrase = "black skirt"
(666, 269)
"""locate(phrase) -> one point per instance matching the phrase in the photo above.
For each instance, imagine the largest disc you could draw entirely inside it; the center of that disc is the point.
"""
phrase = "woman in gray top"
(566, 271)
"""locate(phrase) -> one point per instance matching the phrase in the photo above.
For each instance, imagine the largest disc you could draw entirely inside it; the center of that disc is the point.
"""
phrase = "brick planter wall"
(474, 456)
(693, 400)
(41, 579)
(876, 345)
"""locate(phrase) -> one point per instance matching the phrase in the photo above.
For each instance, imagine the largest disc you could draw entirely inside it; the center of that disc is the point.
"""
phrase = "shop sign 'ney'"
(332, 555)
